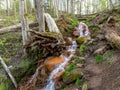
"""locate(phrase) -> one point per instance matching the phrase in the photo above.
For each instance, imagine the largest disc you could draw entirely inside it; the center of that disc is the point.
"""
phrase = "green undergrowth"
(105, 57)
(10, 45)
(24, 69)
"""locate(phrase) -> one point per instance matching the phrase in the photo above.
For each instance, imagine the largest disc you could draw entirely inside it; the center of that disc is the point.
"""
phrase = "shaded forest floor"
(100, 68)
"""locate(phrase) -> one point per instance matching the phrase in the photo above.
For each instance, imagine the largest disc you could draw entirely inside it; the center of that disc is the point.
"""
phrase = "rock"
(58, 75)
(79, 65)
(51, 63)
(68, 41)
(76, 33)
(69, 77)
(100, 50)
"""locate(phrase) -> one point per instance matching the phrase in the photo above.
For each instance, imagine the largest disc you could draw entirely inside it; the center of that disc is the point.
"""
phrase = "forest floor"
(101, 69)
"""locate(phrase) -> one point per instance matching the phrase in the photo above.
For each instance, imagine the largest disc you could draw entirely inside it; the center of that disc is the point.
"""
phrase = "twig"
(8, 72)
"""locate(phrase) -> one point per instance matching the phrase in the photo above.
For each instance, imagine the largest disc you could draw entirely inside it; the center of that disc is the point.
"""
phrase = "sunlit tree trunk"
(7, 6)
(67, 6)
(40, 12)
(15, 9)
(111, 4)
(24, 23)
(72, 7)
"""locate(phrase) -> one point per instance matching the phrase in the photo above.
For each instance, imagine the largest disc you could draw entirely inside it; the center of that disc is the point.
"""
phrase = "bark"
(15, 8)
(40, 12)
(24, 22)
(51, 23)
(114, 39)
(8, 11)
(16, 27)
(8, 72)
(111, 4)
(48, 43)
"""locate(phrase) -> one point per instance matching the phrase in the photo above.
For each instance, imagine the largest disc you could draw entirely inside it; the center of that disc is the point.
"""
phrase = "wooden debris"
(48, 43)
(16, 27)
(8, 72)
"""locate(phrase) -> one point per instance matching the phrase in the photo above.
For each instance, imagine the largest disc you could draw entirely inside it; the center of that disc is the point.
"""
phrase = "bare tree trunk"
(72, 7)
(40, 11)
(15, 8)
(24, 22)
(67, 6)
(111, 4)
(7, 4)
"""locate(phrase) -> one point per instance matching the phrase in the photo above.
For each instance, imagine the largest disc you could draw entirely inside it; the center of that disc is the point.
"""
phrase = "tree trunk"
(8, 72)
(24, 22)
(7, 4)
(15, 9)
(40, 12)
(111, 4)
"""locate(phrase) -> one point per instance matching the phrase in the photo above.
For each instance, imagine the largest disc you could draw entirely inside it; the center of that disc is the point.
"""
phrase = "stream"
(83, 31)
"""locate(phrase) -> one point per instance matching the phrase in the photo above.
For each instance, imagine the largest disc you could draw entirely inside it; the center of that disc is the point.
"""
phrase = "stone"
(52, 62)
(76, 33)
(58, 75)
(68, 41)
(69, 77)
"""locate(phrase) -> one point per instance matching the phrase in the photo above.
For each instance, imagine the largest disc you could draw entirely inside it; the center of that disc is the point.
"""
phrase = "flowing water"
(72, 49)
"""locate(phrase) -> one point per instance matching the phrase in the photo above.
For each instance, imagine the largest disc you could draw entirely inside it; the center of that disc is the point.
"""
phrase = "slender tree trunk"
(40, 10)
(24, 22)
(7, 4)
(72, 7)
(15, 9)
(67, 6)
(111, 4)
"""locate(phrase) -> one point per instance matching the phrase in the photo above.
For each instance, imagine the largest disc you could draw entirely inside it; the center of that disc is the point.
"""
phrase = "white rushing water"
(72, 48)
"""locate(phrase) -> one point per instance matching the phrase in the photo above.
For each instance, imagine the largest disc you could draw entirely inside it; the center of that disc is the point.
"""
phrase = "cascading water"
(72, 48)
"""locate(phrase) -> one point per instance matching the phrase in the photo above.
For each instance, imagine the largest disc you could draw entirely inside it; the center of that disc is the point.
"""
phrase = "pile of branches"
(64, 23)
(44, 44)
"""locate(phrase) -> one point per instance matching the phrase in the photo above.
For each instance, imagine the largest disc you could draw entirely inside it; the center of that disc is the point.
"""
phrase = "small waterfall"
(72, 48)
(83, 29)
(50, 82)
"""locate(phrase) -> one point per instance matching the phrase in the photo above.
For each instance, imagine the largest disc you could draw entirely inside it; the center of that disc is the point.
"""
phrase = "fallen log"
(8, 72)
(16, 27)
(113, 38)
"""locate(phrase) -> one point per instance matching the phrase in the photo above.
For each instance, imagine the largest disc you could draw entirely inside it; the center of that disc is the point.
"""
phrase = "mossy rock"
(81, 40)
(69, 77)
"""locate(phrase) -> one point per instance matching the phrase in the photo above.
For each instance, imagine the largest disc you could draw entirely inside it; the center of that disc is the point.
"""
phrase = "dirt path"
(103, 76)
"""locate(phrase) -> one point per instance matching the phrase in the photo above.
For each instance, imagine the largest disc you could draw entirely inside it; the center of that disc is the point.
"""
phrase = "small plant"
(98, 58)
(71, 67)
(78, 81)
(75, 23)
(81, 49)
(85, 86)
(67, 71)
(108, 56)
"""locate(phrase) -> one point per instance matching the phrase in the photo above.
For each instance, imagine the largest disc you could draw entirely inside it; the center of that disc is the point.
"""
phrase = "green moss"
(80, 40)
(78, 81)
(24, 69)
(98, 58)
(6, 85)
(95, 29)
(81, 49)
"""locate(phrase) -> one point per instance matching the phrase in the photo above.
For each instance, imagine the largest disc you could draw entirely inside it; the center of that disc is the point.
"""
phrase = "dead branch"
(8, 72)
